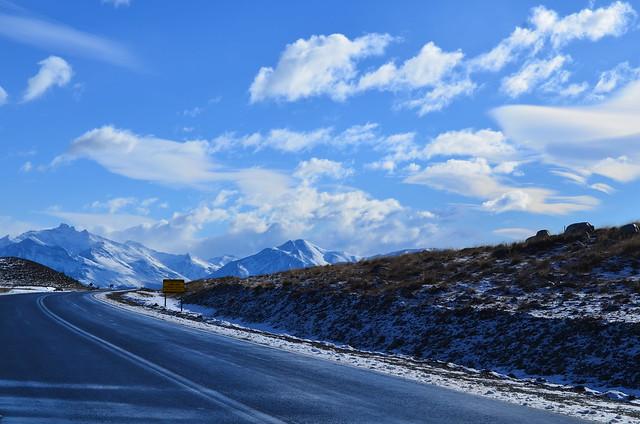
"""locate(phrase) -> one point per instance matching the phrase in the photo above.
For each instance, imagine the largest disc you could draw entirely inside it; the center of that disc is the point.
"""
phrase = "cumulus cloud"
(427, 68)
(313, 169)
(434, 78)
(485, 143)
(350, 220)
(476, 178)
(488, 144)
(292, 141)
(441, 96)
(613, 20)
(531, 74)
(54, 71)
(521, 39)
(320, 65)
(614, 78)
(547, 27)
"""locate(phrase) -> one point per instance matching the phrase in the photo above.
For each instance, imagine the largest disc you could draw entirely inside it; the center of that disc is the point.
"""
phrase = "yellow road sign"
(173, 286)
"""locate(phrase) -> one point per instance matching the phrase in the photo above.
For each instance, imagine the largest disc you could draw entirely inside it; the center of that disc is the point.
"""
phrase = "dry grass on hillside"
(559, 261)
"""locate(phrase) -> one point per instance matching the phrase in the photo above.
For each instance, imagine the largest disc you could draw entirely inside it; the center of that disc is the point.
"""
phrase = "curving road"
(67, 357)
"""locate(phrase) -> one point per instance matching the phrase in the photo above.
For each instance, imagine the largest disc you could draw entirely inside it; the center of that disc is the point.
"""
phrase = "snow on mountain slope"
(94, 259)
(290, 255)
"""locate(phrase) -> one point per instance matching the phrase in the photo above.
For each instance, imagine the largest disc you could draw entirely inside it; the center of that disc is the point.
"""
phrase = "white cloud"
(313, 169)
(3, 96)
(54, 71)
(613, 20)
(320, 65)
(168, 162)
(531, 74)
(605, 188)
(476, 178)
(601, 139)
(115, 204)
(620, 75)
(291, 141)
(350, 220)
(143, 157)
(26, 167)
(13, 227)
(132, 204)
(328, 65)
(507, 50)
(52, 36)
(117, 3)
(441, 96)
(485, 143)
(546, 26)
(100, 223)
(426, 69)
(193, 112)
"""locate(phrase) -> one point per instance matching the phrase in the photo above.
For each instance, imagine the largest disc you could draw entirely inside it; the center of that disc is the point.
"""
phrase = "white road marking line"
(217, 398)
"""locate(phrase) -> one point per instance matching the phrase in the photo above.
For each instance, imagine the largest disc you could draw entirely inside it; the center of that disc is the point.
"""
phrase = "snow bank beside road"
(25, 289)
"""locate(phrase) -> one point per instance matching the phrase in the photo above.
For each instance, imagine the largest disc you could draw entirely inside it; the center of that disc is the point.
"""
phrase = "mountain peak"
(298, 244)
(292, 254)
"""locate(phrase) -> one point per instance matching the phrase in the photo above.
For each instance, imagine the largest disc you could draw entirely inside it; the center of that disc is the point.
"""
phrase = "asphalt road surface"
(70, 358)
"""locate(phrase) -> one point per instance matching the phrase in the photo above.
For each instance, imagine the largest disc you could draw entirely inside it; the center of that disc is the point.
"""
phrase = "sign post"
(173, 286)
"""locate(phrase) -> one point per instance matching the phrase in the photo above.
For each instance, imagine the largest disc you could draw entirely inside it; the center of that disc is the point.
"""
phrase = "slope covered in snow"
(293, 254)
(90, 258)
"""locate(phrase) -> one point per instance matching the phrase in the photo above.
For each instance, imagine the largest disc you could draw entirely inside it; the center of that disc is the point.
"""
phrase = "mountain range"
(93, 259)
(291, 255)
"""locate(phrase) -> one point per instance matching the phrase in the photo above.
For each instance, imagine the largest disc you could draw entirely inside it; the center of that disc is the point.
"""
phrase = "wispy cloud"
(64, 39)
(3, 96)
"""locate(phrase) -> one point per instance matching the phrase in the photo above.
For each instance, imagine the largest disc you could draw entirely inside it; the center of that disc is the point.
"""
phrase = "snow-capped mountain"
(290, 255)
(94, 259)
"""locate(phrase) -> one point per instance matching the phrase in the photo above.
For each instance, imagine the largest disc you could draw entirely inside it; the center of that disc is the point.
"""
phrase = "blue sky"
(226, 127)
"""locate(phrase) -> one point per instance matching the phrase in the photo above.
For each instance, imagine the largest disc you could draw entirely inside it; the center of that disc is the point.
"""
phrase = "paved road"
(67, 357)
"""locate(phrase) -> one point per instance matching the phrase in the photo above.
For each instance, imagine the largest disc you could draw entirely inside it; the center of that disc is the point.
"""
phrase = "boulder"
(540, 235)
(629, 229)
(580, 229)
(543, 234)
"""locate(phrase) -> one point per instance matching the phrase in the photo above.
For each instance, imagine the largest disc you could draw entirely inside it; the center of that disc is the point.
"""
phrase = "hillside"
(563, 307)
(16, 272)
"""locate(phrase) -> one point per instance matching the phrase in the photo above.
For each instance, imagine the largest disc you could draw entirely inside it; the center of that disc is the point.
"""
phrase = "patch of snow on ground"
(26, 289)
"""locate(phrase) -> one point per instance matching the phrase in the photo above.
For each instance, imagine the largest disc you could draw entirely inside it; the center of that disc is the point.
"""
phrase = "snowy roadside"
(25, 289)
(609, 407)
